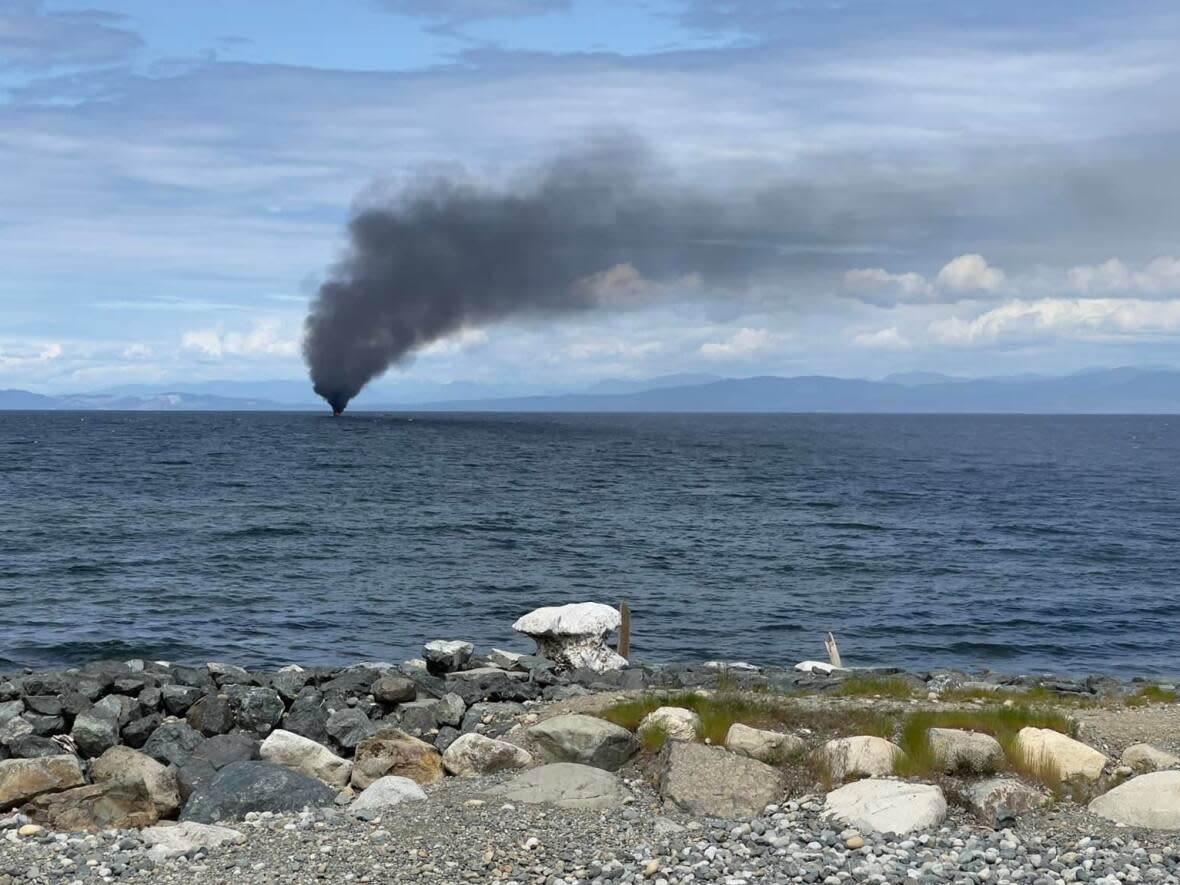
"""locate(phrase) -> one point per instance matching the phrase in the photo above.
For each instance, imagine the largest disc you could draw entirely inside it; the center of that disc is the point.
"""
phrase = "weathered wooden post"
(624, 646)
(833, 651)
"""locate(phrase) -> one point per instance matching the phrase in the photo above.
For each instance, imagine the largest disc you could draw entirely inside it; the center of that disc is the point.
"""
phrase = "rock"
(172, 743)
(22, 779)
(445, 737)
(566, 785)
(384, 793)
(392, 751)
(228, 674)
(13, 729)
(712, 782)
(242, 787)
(449, 710)
(965, 751)
(94, 733)
(96, 807)
(998, 801)
(256, 710)
(815, 667)
(1070, 759)
(678, 723)
(473, 754)
(31, 746)
(123, 709)
(289, 681)
(1151, 801)
(307, 757)
(418, 718)
(446, 657)
(187, 838)
(222, 749)
(574, 636)
(348, 727)
(178, 698)
(1144, 757)
(887, 806)
(12, 709)
(192, 775)
(392, 690)
(771, 747)
(861, 756)
(308, 716)
(46, 705)
(505, 660)
(211, 715)
(492, 719)
(488, 684)
(44, 726)
(124, 765)
(587, 740)
(137, 732)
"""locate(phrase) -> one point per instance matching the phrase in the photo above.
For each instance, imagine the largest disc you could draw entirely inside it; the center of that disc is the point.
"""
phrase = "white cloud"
(1081, 318)
(28, 357)
(878, 286)
(742, 343)
(265, 339)
(1160, 276)
(589, 349)
(971, 273)
(456, 343)
(882, 339)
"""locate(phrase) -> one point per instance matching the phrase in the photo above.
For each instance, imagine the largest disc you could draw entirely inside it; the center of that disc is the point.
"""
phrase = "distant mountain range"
(1098, 391)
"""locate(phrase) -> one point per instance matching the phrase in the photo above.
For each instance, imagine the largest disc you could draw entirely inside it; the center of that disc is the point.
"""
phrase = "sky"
(970, 187)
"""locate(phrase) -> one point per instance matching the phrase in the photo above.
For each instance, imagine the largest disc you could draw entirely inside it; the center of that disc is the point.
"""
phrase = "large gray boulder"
(566, 785)
(965, 751)
(1151, 801)
(860, 756)
(172, 743)
(242, 787)
(22, 779)
(1144, 757)
(587, 740)
(712, 782)
(471, 755)
(887, 806)
(998, 801)
(771, 747)
(574, 636)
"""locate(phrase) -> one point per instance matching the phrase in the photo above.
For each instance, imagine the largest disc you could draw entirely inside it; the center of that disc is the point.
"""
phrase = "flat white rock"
(1151, 801)
(1072, 759)
(887, 806)
(386, 792)
(187, 837)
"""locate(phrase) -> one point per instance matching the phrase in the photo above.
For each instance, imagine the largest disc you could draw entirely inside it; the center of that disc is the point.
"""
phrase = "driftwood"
(623, 649)
(833, 651)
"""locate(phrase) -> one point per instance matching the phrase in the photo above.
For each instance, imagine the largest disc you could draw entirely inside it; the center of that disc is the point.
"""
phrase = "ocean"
(1022, 544)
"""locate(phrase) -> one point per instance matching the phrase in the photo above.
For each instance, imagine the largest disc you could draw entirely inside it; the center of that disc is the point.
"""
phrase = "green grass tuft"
(876, 687)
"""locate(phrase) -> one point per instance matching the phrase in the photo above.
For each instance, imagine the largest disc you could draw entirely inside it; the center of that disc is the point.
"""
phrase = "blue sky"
(979, 187)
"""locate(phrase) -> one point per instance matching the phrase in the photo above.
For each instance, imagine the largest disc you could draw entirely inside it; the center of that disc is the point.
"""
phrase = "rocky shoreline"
(580, 767)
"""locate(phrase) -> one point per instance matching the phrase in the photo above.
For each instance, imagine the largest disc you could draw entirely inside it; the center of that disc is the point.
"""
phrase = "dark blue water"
(1019, 543)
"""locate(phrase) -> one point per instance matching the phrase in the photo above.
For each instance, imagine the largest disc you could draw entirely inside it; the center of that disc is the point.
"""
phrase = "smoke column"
(601, 228)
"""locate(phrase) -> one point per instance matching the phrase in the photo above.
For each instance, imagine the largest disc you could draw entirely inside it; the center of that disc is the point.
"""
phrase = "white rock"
(471, 755)
(566, 785)
(574, 636)
(1144, 757)
(814, 667)
(678, 723)
(505, 660)
(861, 756)
(968, 751)
(1151, 801)
(447, 656)
(187, 837)
(887, 806)
(1069, 758)
(765, 746)
(998, 801)
(306, 756)
(384, 793)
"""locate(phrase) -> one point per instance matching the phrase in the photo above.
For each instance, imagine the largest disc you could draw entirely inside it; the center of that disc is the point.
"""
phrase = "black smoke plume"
(603, 227)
